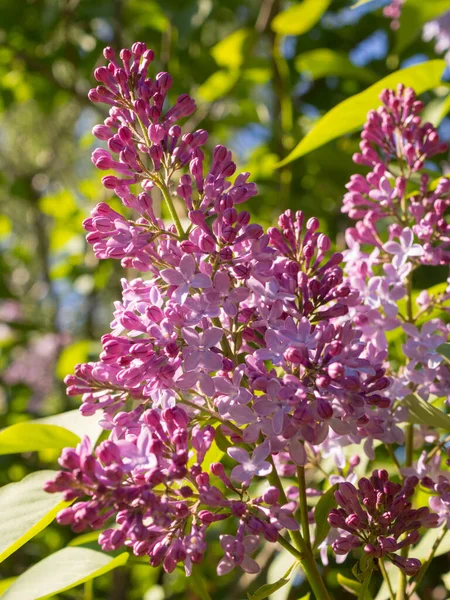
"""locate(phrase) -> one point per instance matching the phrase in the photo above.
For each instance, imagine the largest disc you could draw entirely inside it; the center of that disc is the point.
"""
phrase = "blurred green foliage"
(262, 71)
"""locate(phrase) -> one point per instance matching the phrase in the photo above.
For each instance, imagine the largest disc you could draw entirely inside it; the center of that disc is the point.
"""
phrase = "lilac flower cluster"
(256, 337)
(395, 140)
(162, 500)
(376, 515)
(393, 11)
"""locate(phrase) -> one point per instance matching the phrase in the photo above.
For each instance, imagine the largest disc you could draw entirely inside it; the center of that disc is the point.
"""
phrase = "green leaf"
(422, 550)
(299, 18)
(269, 588)
(350, 585)
(197, 583)
(323, 507)
(436, 110)
(230, 52)
(360, 3)
(324, 62)
(444, 350)
(218, 85)
(71, 356)
(62, 571)
(56, 432)
(32, 436)
(351, 114)
(6, 583)
(306, 596)
(424, 413)
(26, 510)
(415, 13)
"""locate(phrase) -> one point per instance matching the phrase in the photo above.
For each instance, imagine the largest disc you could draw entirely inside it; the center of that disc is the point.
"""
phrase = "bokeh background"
(258, 91)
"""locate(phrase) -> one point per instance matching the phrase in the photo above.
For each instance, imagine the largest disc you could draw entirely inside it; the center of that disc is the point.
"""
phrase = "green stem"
(89, 590)
(289, 547)
(427, 563)
(302, 551)
(303, 505)
(409, 449)
(171, 207)
(386, 578)
(224, 343)
(363, 592)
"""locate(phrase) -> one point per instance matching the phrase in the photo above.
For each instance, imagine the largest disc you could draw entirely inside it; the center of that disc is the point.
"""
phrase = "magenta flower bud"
(69, 459)
(271, 495)
(342, 546)
(387, 544)
(102, 132)
(206, 516)
(65, 516)
(336, 370)
(324, 409)
(323, 243)
(336, 520)
(312, 224)
(138, 49)
(207, 244)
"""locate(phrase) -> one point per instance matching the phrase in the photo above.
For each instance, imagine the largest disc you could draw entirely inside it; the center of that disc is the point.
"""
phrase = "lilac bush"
(259, 349)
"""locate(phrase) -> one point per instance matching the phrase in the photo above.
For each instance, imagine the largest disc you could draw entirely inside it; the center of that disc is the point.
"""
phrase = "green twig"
(386, 578)
(303, 505)
(427, 563)
(364, 591)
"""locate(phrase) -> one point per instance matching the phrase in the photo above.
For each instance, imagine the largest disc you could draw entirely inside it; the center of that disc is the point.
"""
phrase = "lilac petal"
(211, 337)
(416, 250)
(223, 385)
(251, 433)
(240, 474)
(264, 468)
(393, 248)
(249, 565)
(261, 452)
(206, 384)
(187, 266)
(181, 294)
(264, 407)
(241, 414)
(191, 336)
(297, 452)
(407, 237)
(200, 280)
(226, 540)
(187, 380)
(211, 361)
(192, 360)
(229, 308)
(238, 454)
(171, 276)
(277, 421)
(251, 543)
(287, 521)
(225, 566)
(222, 282)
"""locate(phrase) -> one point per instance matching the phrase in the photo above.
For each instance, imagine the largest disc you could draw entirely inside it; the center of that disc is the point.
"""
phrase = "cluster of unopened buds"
(376, 515)
(258, 338)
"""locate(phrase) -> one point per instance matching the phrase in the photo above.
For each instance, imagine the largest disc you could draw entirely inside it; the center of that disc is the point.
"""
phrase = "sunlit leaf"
(218, 85)
(436, 110)
(5, 226)
(350, 585)
(422, 550)
(71, 356)
(62, 571)
(444, 350)
(269, 588)
(326, 503)
(324, 62)
(55, 432)
(32, 436)
(230, 52)
(25, 510)
(424, 413)
(351, 114)
(299, 18)
(415, 13)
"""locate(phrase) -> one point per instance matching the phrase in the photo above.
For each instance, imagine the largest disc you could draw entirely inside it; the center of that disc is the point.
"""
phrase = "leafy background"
(263, 72)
